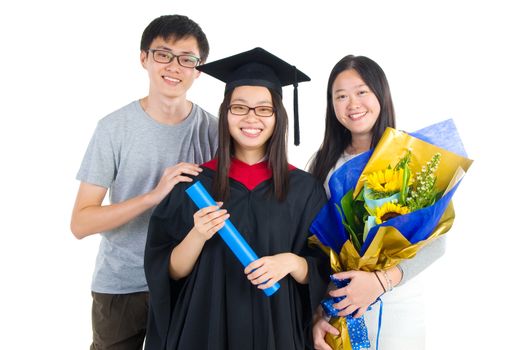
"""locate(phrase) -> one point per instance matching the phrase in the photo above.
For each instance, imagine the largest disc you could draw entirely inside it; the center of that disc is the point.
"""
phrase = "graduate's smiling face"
(251, 130)
(357, 108)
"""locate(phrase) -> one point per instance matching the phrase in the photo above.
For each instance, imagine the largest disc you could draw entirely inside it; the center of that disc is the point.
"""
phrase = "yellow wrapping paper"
(394, 144)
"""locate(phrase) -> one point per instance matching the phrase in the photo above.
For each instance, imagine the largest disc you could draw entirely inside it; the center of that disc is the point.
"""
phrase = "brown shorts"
(119, 321)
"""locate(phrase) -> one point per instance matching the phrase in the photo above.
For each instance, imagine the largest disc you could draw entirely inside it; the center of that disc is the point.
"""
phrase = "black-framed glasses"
(261, 111)
(164, 56)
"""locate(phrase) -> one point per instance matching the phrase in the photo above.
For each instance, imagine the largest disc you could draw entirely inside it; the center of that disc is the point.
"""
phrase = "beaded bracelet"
(382, 286)
(389, 282)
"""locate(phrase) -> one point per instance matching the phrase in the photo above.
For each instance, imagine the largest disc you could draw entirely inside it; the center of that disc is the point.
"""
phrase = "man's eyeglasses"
(261, 111)
(164, 56)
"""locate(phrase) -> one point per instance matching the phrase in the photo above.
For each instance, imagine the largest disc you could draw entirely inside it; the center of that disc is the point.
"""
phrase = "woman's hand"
(268, 270)
(319, 330)
(363, 289)
(208, 220)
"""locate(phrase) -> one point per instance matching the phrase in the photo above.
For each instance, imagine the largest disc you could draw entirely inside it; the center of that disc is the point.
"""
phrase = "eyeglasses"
(261, 111)
(164, 56)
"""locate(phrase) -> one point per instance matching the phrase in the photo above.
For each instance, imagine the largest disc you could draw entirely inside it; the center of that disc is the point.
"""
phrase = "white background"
(65, 65)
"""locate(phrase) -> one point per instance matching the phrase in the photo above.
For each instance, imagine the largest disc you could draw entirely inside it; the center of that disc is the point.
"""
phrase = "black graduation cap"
(258, 67)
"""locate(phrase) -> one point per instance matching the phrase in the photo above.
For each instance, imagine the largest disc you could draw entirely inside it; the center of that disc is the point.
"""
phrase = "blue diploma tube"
(229, 233)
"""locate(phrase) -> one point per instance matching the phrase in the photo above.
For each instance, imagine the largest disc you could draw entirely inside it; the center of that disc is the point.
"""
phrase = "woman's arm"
(207, 222)
(366, 287)
(423, 259)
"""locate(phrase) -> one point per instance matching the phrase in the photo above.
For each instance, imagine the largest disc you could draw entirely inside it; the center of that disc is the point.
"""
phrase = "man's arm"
(90, 216)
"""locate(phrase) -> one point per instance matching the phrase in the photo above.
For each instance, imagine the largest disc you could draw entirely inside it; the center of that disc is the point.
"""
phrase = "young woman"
(359, 108)
(201, 296)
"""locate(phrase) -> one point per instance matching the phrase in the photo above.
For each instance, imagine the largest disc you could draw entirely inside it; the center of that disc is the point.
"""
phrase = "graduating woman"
(201, 296)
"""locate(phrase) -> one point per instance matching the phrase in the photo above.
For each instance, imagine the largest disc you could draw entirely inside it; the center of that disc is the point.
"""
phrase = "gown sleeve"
(318, 266)
(167, 228)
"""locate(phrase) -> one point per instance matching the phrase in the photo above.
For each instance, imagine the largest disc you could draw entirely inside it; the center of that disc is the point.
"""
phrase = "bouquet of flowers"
(388, 203)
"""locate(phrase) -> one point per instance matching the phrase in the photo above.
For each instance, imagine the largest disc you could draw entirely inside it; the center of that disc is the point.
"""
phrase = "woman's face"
(250, 131)
(356, 106)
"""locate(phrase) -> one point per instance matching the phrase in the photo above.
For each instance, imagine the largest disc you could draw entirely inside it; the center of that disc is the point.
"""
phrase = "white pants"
(402, 323)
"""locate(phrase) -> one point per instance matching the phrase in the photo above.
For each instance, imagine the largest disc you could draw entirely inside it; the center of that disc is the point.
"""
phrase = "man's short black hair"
(175, 27)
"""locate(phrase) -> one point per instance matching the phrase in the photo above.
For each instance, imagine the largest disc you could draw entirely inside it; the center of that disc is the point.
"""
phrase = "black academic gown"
(215, 306)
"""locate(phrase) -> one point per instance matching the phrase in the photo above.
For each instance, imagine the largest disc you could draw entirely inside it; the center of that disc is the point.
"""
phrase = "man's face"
(170, 80)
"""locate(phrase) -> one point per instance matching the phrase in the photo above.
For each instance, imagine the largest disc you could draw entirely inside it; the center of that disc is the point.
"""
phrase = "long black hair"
(275, 150)
(336, 136)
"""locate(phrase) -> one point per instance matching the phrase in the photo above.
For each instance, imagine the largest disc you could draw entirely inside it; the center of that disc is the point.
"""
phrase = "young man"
(139, 153)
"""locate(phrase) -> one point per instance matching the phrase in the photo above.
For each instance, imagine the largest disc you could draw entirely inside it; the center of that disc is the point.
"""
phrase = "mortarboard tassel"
(296, 133)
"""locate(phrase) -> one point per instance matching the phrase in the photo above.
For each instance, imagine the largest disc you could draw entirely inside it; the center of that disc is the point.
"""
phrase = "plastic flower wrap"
(388, 203)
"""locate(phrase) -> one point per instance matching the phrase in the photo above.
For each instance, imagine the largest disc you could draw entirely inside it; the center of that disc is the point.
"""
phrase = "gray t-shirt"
(127, 154)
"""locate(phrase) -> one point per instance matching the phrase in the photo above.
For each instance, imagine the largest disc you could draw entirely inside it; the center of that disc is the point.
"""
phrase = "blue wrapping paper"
(357, 328)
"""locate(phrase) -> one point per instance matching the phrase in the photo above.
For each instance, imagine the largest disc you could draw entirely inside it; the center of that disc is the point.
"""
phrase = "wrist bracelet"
(389, 282)
(382, 286)
(401, 271)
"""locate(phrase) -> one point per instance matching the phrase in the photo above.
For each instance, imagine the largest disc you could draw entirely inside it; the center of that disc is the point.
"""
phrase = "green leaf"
(352, 212)
(347, 203)
(353, 238)
(405, 186)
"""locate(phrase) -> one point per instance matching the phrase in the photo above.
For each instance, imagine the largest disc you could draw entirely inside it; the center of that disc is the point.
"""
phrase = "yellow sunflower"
(390, 210)
(387, 181)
